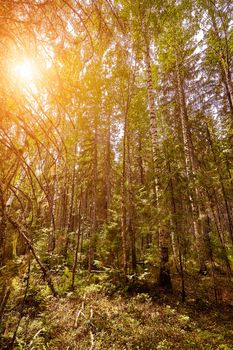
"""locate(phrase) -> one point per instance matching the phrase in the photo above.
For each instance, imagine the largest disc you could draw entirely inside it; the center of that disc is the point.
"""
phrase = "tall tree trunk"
(191, 167)
(69, 226)
(223, 59)
(108, 170)
(219, 228)
(221, 181)
(94, 199)
(178, 231)
(124, 194)
(140, 159)
(130, 205)
(77, 240)
(164, 274)
(2, 226)
(53, 199)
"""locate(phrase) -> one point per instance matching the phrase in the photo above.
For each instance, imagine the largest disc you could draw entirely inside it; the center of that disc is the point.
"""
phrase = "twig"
(37, 333)
(91, 333)
(80, 312)
(92, 341)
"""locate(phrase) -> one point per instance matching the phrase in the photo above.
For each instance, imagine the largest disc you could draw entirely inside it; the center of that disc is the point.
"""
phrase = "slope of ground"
(91, 320)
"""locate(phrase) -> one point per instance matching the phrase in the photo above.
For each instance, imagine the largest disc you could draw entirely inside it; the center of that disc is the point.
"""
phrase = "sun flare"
(25, 70)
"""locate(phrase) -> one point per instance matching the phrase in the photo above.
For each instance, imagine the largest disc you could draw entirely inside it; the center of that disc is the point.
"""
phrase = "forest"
(116, 174)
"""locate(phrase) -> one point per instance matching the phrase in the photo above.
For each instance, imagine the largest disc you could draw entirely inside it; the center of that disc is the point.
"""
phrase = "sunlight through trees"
(116, 146)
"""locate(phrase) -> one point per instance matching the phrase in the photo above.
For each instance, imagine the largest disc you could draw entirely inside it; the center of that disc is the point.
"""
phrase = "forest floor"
(91, 319)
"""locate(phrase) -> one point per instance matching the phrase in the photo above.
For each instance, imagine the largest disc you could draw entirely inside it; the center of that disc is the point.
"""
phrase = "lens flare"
(25, 71)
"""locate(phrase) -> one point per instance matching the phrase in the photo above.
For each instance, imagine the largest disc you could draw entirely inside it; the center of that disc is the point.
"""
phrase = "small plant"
(164, 345)
(143, 298)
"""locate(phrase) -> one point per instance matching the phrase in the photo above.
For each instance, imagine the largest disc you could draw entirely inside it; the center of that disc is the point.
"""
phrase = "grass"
(92, 320)
(100, 315)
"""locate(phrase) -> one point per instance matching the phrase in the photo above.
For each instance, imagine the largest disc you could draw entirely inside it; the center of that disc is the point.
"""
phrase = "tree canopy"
(116, 125)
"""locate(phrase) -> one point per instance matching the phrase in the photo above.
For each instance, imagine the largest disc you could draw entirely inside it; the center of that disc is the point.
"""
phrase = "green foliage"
(119, 323)
(84, 193)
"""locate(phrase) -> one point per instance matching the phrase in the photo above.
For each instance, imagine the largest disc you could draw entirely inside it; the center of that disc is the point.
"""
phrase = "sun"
(25, 71)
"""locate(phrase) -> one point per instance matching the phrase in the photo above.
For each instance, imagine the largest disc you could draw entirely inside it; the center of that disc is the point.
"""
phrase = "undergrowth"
(98, 316)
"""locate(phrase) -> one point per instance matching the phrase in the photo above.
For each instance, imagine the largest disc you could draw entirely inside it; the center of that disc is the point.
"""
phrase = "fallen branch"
(80, 312)
(22, 305)
(91, 333)
(46, 275)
